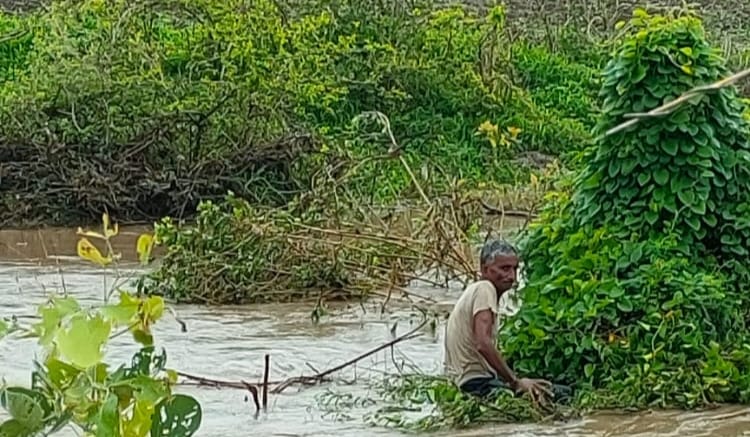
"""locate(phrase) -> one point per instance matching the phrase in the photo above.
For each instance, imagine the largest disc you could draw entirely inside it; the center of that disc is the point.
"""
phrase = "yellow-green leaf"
(82, 341)
(125, 311)
(144, 245)
(153, 307)
(89, 252)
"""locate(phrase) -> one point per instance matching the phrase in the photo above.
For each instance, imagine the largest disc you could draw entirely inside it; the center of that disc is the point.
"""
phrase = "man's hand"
(538, 389)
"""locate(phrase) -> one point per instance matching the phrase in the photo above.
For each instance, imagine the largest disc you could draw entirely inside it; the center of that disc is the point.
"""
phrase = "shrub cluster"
(637, 284)
(146, 108)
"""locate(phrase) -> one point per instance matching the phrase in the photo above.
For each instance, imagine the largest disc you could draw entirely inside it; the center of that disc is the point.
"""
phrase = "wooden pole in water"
(265, 381)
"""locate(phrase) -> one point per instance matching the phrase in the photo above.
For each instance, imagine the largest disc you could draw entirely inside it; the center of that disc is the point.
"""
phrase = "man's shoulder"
(480, 286)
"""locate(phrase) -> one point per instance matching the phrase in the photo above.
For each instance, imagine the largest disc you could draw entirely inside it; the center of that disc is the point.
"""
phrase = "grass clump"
(636, 288)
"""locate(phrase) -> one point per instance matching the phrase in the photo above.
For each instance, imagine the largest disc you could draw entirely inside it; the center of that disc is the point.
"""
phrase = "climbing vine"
(74, 385)
(636, 290)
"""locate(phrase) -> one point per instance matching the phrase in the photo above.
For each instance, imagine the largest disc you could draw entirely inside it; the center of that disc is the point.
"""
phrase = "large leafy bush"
(636, 287)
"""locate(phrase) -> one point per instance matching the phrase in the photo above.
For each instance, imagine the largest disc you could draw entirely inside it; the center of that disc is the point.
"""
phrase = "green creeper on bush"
(636, 290)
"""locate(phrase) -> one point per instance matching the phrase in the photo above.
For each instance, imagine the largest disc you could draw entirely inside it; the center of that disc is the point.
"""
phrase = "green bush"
(147, 108)
(636, 288)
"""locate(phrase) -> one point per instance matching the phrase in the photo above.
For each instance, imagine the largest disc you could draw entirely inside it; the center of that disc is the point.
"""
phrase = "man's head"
(499, 264)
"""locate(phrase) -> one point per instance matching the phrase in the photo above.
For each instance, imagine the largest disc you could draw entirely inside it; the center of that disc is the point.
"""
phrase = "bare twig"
(317, 378)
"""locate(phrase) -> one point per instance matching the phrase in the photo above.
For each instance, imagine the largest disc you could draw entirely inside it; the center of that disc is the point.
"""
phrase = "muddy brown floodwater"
(230, 343)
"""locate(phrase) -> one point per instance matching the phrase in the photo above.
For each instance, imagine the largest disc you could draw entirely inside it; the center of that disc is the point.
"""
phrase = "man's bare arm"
(485, 344)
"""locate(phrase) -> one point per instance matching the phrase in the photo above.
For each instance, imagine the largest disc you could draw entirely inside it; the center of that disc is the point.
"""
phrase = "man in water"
(471, 357)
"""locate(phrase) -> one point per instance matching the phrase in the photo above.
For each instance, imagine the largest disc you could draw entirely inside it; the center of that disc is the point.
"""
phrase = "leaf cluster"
(73, 384)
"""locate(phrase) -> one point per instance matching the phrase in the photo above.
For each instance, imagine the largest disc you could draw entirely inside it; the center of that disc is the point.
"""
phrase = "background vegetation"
(146, 108)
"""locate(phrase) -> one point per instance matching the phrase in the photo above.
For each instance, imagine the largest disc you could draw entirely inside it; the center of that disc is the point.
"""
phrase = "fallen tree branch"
(281, 385)
(667, 108)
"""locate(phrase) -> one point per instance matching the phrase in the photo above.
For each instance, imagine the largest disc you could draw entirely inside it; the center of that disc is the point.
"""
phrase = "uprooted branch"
(281, 385)
(669, 107)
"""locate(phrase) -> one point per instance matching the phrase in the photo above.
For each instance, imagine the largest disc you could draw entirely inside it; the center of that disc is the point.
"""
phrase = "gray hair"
(495, 248)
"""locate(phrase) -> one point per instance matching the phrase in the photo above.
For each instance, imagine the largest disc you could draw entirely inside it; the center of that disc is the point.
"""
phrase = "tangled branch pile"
(637, 288)
(239, 253)
(325, 244)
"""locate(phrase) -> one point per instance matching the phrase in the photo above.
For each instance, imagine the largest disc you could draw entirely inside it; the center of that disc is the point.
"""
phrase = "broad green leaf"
(148, 389)
(82, 341)
(588, 370)
(680, 116)
(693, 222)
(686, 196)
(125, 311)
(52, 314)
(670, 146)
(643, 178)
(154, 307)
(60, 373)
(639, 73)
(143, 337)
(538, 333)
(710, 220)
(14, 428)
(139, 424)
(661, 176)
(108, 419)
(687, 51)
(177, 416)
(625, 306)
(23, 406)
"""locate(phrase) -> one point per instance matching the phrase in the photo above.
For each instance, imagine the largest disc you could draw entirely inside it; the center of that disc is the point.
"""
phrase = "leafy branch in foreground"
(73, 384)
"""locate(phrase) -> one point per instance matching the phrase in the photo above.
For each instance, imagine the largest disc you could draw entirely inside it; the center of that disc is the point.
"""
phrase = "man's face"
(501, 271)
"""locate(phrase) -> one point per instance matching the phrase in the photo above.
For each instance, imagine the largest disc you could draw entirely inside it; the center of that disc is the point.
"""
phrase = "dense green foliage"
(147, 108)
(637, 289)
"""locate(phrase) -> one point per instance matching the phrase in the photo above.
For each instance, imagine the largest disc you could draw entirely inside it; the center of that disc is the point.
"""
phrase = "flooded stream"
(230, 343)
